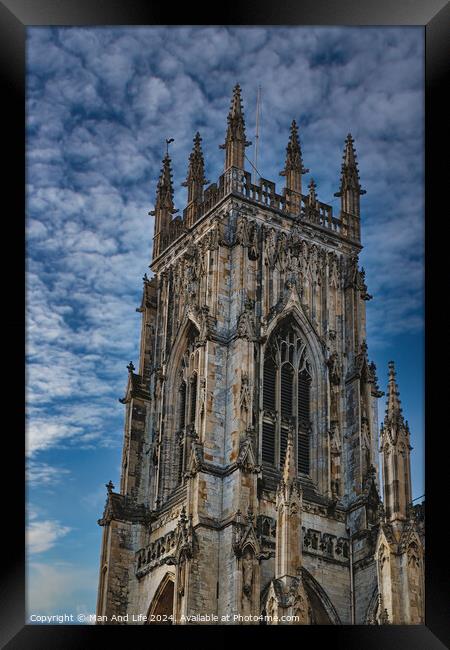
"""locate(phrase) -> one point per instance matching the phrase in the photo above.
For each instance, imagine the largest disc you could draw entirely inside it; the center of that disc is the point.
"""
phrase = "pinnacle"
(393, 404)
(349, 169)
(349, 153)
(164, 192)
(312, 190)
(294, 160)
(196, 163)
(289, 471)
(294, 130)
(236, 102)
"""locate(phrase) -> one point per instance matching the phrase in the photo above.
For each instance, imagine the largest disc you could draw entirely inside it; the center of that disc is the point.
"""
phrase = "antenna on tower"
(258, 111)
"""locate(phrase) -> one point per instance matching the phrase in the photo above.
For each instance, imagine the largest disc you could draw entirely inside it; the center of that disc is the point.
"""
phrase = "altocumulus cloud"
(100, 103)
(43, 535)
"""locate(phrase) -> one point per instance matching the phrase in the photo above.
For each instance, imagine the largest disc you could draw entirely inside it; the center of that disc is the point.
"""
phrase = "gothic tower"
(250, 488)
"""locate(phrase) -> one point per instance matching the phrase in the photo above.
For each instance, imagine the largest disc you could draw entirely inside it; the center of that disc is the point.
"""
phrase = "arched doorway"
(161, 610)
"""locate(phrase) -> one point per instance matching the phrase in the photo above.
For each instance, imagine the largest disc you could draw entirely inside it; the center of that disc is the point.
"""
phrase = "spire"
(395, 449)
(164, 192)
(288, 553)
(195, 180)
(350, 188)
(235, 141)
(394, 413)
(293, 170)
(164, 207)
(294, 161)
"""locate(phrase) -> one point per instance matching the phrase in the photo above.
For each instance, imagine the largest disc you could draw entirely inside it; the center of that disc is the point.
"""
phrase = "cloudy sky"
(100, 103)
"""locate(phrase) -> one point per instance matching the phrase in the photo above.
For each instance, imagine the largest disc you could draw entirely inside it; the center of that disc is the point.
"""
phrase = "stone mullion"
(209, 269)
(321, 461)
(203, 364)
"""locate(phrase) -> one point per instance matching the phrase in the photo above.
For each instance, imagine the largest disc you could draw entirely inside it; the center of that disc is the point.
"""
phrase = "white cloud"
(60, 587)
(101, 103)
(43, 535)
(43, 474)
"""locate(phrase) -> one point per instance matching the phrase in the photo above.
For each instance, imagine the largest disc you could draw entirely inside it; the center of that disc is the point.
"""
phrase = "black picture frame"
(15, 17)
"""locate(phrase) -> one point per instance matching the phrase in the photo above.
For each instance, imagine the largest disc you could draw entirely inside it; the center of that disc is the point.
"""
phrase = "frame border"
(434, 16)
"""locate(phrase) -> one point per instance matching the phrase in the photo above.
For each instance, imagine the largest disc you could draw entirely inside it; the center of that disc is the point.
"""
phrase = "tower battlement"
(236, 181)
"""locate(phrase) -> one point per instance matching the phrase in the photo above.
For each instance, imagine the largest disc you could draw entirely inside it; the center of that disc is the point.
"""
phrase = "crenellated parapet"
(236, 181)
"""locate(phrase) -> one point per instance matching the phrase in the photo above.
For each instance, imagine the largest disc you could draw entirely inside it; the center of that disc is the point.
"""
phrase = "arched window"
(186, 407)
(286, 397)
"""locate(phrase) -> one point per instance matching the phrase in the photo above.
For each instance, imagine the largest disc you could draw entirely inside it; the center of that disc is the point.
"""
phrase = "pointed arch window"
(186, 408)
(286, 397)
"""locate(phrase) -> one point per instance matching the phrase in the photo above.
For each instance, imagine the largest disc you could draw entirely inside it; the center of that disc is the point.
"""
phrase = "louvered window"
(286, 398)
(268, 443)
(286, 390)
(303, 422)
(269, 385)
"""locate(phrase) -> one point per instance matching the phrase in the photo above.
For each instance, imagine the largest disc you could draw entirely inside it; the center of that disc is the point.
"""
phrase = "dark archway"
(161, 609)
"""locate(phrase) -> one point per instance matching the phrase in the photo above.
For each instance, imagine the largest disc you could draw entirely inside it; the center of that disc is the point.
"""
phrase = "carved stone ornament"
(242, 231)
(246, 459)
(244, 534)
(270, 246)
(245, 395)
(253, 248)
(207, 324)
(246, 322)
(334, 369)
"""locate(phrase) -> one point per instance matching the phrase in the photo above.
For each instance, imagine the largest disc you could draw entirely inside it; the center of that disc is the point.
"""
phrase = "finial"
(393, 404)
(130, 367)
(164, 191)
(294, 162)
(350, 177)
(235, 140)
(196, 171)
(312, 192)
(109, 486)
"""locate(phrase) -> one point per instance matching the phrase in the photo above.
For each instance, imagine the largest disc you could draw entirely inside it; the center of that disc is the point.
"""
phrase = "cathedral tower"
(250, 488)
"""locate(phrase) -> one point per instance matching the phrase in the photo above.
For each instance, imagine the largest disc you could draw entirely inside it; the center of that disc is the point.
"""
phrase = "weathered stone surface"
(250, 481)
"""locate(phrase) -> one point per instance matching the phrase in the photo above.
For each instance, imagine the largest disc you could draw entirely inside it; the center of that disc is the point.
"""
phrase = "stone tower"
(250, 488)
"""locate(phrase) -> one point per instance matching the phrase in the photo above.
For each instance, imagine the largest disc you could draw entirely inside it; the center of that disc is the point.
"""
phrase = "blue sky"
(100, 103)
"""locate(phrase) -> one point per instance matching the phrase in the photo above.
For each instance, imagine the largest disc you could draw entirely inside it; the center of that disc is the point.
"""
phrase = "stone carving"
(361, 283)
(282, 251)
(216, 234)
(246, 322)
(202, 394)
(242, 231)
(335, 461)
(333, 273)
(270, 246)
(334, 369)
(245, 397)
(207, 324)
(253, 248)
(247, 572)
